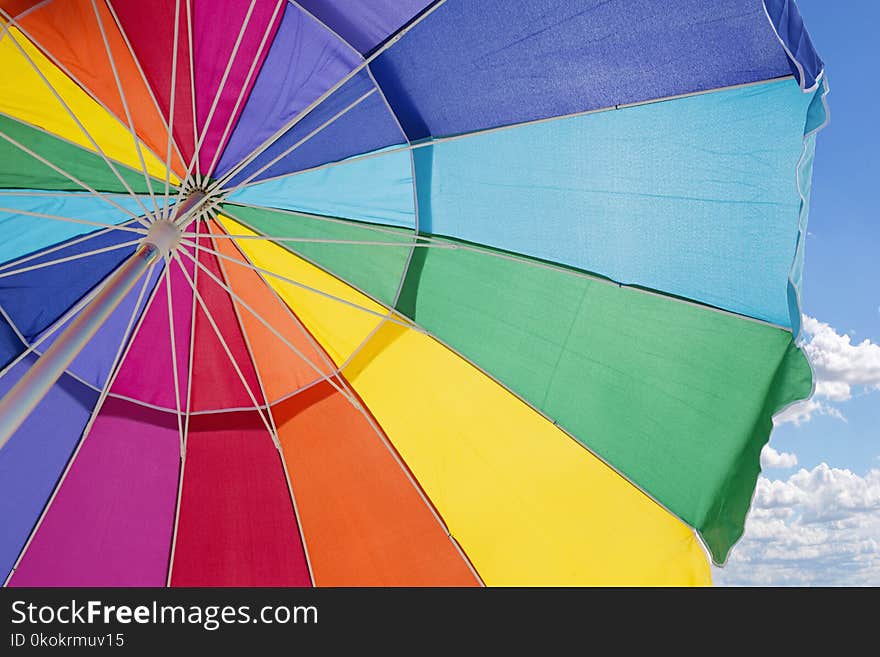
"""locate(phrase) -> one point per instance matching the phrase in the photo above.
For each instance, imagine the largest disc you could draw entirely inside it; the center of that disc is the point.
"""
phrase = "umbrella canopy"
(406, 292)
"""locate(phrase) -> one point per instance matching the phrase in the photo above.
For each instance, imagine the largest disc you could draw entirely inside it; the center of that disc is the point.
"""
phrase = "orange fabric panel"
(68, 32)
(282, 371)
(364, 521)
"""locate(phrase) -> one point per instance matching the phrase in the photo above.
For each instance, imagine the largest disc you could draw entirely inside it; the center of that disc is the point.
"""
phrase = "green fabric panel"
(677, 397)
(19, 170)
(374, 269)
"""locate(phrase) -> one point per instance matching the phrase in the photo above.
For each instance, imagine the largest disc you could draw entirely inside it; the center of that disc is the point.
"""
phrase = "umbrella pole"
(24, 396)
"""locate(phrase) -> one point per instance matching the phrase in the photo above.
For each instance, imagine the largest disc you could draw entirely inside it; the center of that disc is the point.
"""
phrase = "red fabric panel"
(237, 526)
(215, 383)
(149, 27)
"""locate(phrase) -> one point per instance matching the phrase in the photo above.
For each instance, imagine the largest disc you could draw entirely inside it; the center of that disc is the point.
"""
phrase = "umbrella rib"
(303, 286)
(128, 117)
(192, 90)
(390, 41)
(71, 220)
(124, 346)
(299, 143)
(221, 144)
(264, 322)
(85, 254)
(493, 253)
(70, 177)
(434, 141)
(57, 247)
(223, 343)
(61, 67)
(173, 350)
(274, 432)
(171, 108)
(75, 118)
(194, 162)
(12, 325)
(319, 240)
(189, 377)
(143, 76)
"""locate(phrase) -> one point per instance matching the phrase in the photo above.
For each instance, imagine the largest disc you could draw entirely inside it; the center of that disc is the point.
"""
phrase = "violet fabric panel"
(365, 23)
(216, 27)
(304, 61)
(34, 458)
(95, 362)
(112, 520)
(149, 27)
(147, 373)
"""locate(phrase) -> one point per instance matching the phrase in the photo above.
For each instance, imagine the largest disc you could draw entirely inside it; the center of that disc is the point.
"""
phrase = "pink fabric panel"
(112, 520)
(217, 26)
(147, 372)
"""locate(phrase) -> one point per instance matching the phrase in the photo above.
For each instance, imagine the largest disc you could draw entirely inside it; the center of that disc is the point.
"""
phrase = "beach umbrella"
(339, 292)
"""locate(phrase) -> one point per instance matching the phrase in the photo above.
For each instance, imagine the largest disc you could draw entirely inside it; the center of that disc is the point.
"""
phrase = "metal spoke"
(85, 254)
(299, 117)
(303, 286)
(70, 177)
(135, 138)
(74, 117)
(84, 222)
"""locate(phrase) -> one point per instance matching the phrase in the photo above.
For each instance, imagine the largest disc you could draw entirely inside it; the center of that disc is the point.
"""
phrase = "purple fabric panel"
(32, 461)
(305, 60)
(147, 373)
(111, 522)
(365, 23)
(216, 26)
(94, 362)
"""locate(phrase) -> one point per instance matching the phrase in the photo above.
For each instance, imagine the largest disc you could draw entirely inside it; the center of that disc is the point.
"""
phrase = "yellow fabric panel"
(528, 504)
(340, 328)
(25, 96)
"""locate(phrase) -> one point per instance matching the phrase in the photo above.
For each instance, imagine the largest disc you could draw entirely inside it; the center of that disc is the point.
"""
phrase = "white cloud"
(770, 458)
(839, 366)
(818, 527)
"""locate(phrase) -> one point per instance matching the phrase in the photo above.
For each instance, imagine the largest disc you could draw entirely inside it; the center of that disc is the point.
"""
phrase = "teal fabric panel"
(375, 188)
(696, 197)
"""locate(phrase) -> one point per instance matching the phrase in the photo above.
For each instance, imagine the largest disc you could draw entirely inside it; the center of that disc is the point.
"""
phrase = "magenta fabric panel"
(304, 62)
(112, 520)
(216, 29)
(149, 27)
(147, 373)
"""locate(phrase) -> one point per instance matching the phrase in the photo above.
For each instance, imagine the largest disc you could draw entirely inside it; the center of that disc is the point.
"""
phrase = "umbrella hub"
(164, 235)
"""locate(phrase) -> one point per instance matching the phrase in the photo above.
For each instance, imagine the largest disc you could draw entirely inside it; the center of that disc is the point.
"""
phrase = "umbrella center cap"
(164, 235)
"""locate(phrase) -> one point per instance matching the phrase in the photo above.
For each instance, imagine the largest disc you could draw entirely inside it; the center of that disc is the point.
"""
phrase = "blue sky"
(817, 521)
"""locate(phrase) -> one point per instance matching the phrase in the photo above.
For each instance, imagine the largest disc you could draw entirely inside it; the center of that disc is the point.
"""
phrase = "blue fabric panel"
(35, 299)
(303, 62)
(364, 24)
(695, 197)
(10, 344)
(23, 234)
(806, 64)
(94, 362)
(376, 189)
(366, 127)
(474, 64)
(34, 458)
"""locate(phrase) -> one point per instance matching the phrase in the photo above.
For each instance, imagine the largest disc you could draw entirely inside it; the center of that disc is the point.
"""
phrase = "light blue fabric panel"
(377, 189)
(24, 234)
(696, 197)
